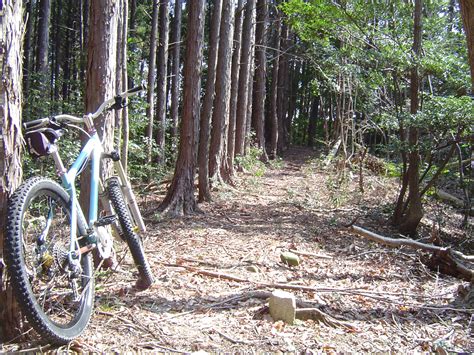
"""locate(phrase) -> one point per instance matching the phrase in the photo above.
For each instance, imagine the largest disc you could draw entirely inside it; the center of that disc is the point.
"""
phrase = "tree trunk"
(133, 17)
(176, 43)
(245, 81)
(162, 71)
(42, 46)
(206, 111)
(227, 170)
(274, 129)
(28, 20)
(122, 73)
(150, 109)
(259, 92)
(100, 79)
(467, 13)
(313, 118)
(180, 196)
(66, 55)
(414, 213)
(282, 91)
(220, 115)
(43, 36)
(10, 146)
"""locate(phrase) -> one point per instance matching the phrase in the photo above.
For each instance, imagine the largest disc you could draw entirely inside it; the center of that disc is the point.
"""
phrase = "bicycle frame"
(93, 150)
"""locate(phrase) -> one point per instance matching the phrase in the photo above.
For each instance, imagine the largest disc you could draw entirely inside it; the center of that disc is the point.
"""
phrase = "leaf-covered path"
(393, 301)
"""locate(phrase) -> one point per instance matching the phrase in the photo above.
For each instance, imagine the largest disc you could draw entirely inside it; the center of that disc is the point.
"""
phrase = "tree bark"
(206, 110)
(150, 109)
(180, 196)
(259, 91)
(28, 20)
(227, 170)
(414, 213)
(245, 81)
(467, 13)
(283, 90)
(43, 36)
(274, 128)
(176, 43)
(10, 145)
(162, 71)
(124, 83)
(100, 79)
(220, 115)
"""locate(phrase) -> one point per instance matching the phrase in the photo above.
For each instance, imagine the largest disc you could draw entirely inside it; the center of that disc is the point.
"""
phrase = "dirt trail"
(393, 301)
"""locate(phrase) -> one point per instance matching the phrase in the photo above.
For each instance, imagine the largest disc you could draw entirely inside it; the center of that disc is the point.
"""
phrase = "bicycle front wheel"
(55, 296)
(134, 242)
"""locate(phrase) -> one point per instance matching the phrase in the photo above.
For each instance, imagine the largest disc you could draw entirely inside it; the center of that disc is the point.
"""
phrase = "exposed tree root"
(317, 315)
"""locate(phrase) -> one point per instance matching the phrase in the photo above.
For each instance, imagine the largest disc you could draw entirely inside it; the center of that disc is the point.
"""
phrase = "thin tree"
(162, 70)
(180, 196)
(28, 20)
(206, 110)
(274, 128)
(259, 91)
(42, 50)
(150, 109)
(245, 77)
(42, 43)
(220, 115)
(467, 13)
(228, 164)
(122, 73)
(176, 60)
(283, 89)
(412, 210)
(11, 28)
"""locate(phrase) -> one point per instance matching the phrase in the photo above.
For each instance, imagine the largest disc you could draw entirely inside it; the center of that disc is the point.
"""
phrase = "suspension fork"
(130, 199)
(129, 196)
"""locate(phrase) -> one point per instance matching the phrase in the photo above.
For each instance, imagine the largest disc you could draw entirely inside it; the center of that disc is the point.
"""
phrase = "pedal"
(105, 221)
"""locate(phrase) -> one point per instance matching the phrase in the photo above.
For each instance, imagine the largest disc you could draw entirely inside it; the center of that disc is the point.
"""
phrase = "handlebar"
(110, 103)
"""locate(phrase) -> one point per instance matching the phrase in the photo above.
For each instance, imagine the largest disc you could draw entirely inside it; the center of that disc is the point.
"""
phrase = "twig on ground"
(369, 294)
(304, 253)
(232, 340)
(159, 346)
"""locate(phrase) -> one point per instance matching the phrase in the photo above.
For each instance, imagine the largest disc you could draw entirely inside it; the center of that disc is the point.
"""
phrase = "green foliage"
(251, 162)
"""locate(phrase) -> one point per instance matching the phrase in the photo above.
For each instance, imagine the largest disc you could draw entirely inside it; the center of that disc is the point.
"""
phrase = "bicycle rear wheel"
(134, 242)
(56, 297)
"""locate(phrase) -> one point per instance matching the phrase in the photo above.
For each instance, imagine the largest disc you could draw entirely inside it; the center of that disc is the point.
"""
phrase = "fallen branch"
(260, 294)
(443, 195)
(407, 242)
(444, 257)
(304, 304)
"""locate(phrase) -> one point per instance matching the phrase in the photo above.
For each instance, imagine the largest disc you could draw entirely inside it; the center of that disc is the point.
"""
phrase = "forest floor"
(212, 268)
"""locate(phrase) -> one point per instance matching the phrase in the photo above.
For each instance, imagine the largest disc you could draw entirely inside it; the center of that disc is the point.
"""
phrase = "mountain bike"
(49, 242)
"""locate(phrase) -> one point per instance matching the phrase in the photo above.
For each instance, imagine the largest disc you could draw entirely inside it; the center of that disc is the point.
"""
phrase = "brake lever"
(120, 102)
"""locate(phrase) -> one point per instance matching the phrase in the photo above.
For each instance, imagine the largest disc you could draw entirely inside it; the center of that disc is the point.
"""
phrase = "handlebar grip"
(36, 123)
(136, 89)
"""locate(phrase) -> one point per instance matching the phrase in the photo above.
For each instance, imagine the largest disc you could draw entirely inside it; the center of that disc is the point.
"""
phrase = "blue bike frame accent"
(92, 148)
